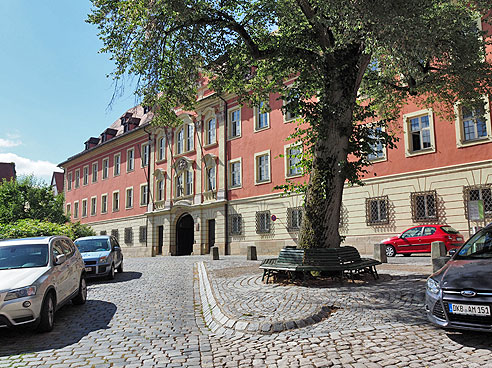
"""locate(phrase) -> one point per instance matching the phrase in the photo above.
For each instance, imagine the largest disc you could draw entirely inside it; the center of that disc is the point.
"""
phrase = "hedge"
(29, 228)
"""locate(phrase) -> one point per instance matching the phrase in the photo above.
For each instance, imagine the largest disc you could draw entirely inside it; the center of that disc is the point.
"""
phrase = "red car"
(418, 239)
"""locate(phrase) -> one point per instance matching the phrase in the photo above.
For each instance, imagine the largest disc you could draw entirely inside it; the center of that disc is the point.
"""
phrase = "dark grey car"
(459, 295)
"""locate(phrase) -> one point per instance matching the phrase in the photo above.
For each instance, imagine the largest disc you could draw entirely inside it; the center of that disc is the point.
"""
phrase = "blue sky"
(54, 91)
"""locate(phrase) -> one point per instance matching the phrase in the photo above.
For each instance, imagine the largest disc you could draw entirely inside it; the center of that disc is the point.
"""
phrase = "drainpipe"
(148, 193)
(226, 206)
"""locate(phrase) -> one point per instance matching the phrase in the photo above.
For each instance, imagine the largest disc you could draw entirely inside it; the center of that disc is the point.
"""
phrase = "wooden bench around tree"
(335, 262)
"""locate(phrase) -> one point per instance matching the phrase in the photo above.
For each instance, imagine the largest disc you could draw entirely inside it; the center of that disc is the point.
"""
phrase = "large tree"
(354, 61)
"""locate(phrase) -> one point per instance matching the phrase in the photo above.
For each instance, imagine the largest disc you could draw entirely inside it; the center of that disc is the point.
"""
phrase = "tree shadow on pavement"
(72, 323)
(118, 277)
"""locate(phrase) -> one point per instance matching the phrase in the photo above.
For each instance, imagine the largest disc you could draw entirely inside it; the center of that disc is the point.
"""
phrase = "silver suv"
(37, 277)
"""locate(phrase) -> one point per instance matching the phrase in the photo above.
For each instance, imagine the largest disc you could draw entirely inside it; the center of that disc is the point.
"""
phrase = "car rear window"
(449, 230)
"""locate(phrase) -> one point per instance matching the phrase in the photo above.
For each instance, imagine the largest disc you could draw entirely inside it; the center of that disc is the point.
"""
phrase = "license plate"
(88, 269)
(468, 309)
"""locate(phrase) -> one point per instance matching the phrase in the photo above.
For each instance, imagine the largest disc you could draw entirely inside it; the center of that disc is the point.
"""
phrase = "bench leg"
(263, 277)
(375, 274)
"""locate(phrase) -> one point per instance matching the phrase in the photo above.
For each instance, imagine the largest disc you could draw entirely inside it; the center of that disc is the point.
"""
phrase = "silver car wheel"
(390, 251)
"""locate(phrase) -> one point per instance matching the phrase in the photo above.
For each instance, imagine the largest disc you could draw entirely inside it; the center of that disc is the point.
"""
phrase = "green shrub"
(29, 228)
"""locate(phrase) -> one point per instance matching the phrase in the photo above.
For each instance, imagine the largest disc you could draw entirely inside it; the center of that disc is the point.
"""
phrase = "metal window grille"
(262, 222)
(103, 232)
(236, 224)
(476, 193)
(128, 235)
(116, 234)
(424, 206)
(142, 234)
(377, 210)
(294, 218)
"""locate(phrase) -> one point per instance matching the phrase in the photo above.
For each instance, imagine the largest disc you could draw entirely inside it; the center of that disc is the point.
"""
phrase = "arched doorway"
(184, 235)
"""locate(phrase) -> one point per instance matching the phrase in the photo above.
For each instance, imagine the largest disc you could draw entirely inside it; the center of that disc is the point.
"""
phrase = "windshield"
(449, 230)
(93, 245)
(23, 256)
(479, 246)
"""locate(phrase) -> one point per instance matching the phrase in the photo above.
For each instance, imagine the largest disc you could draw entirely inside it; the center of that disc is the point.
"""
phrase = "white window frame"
(407, 133)
(84, 208)
(161, 148)
(178, 193)
(190, 137)
(288, 158)
(286, 115)
(95, 172)
(145, 152)
(144, 194)
(69, 181)
(93, 206)
(160, 190)
(188, 184)
(104, 202)
(76, 209)
(235, 123)
(77, 178)
(231, 171)
(257, 114)
(85, 175)
(117, 164)
(180, 140)
(459, 128)
(383, 149)
(130, 160)
(257, 157)
(129, 198)
(68, 209)
(116, 194)
(210, 131)
(105, 168)
(211, 183)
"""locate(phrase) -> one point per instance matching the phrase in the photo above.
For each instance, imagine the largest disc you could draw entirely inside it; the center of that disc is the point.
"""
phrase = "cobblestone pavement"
(160, 313)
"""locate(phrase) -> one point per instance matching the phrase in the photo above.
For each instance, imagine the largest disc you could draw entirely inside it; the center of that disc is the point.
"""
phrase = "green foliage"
(31, 228)
(25, 198)
(361, 59)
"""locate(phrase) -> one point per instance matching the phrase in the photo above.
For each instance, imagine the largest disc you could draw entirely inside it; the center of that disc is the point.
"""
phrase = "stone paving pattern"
(152, 316)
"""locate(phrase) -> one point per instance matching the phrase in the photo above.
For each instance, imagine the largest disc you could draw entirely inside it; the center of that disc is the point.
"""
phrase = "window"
(189, 182)
(94, 172)
(289, 115)
(210, 178)
(69, 209)
(93, 206)
(292, 158)
(130, 160)
(294, 218)
(142, 234)
(161, 148)
(189, 137)
(262, 222)
(76, 209)
(180, 141)
(424, 206)
(478, 193)
(160, 190)
(117, 164)
(69, 181)
(184, 184)
(145, 154)
(377, 148)
(116, 234)
(210, 130)
(144, 194)
(377, 210)
(85, 175)
(116, 201)
(128, 235)
(235, 123)
(473, 125)
(104, 203)
(105, 168)
(418, 132)
(129, 198)
(428, 230)
(235, 224)
(235, 174)
(261, 115)
(77, 178)
(179, 185)
(84, 208)
(262, 162)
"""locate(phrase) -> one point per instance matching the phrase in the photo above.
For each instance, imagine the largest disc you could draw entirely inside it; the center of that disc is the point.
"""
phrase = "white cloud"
(25, 166)
(7, 143)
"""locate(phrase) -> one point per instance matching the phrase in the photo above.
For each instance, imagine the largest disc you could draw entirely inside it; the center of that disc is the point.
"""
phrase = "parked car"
(102, 255)
(37, 277)
(418, 239)
(459, 295)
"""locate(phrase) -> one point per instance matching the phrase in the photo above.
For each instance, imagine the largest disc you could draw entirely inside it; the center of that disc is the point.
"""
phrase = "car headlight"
(21, 293)
(433, 286)
(103, 259)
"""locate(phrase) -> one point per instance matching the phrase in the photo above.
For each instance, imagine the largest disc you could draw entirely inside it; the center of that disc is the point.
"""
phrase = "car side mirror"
(60, 259)
(452, 252)
(116, 248)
